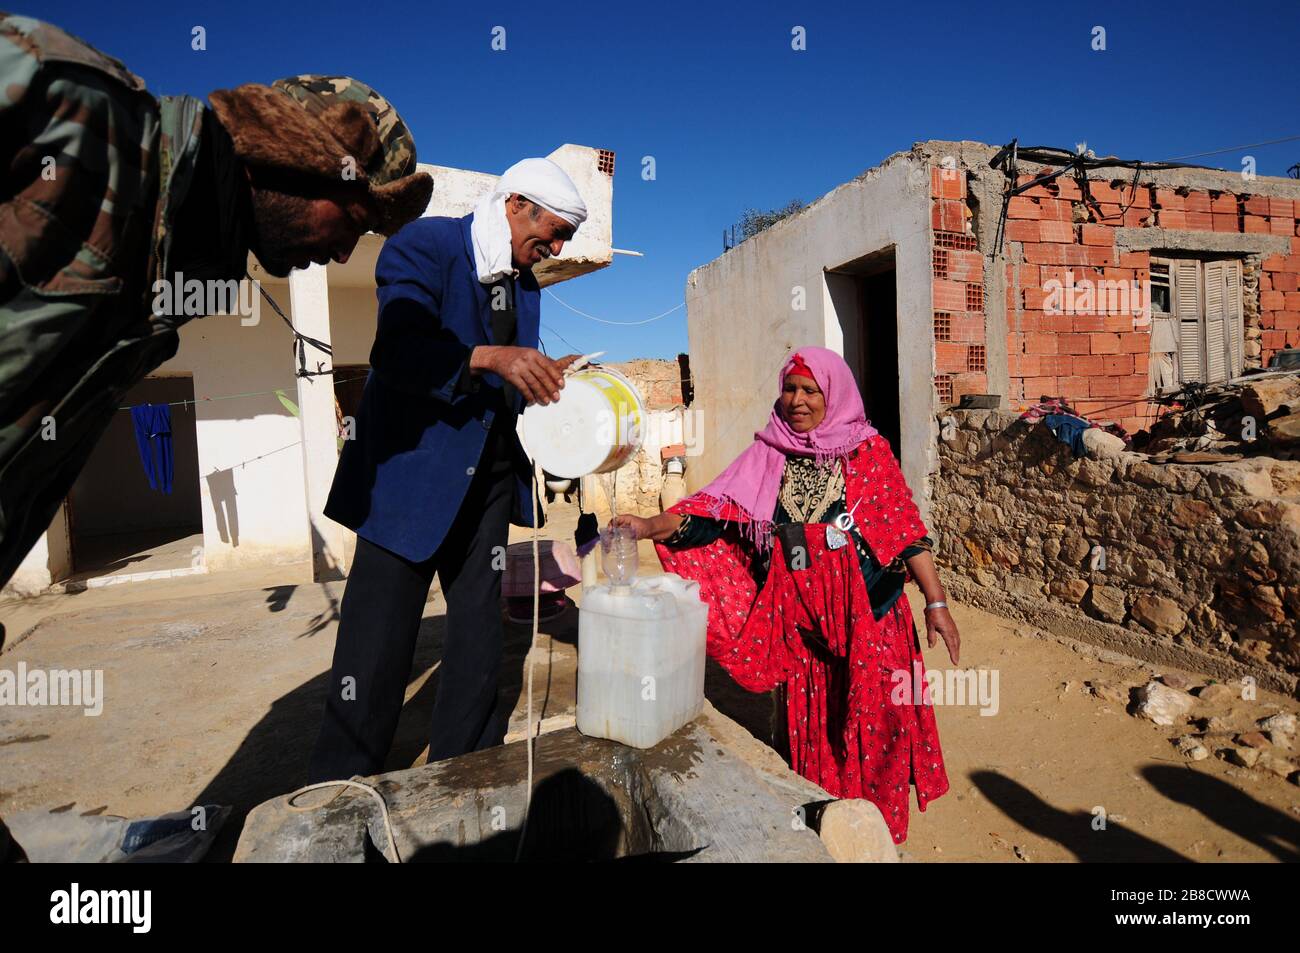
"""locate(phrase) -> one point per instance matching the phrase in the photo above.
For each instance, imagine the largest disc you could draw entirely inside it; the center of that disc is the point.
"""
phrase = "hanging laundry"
(153, 435)
(1069, 430)
(1062, 420)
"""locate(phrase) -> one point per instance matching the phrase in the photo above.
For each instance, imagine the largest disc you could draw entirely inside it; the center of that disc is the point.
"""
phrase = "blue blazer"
(418, 438)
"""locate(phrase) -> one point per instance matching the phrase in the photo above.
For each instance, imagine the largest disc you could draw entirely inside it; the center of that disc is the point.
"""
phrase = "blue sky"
(733, 117)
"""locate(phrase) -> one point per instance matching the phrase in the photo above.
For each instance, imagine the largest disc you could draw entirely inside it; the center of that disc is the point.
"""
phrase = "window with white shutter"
(1224, 331)
(1207, 317)
(1187, 311)
(1216, 338)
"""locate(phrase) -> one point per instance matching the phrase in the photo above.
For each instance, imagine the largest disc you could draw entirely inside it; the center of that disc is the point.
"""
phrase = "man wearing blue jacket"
(436, 473)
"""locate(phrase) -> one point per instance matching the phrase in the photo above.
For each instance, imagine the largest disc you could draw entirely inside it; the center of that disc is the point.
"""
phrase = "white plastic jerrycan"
(640, 659)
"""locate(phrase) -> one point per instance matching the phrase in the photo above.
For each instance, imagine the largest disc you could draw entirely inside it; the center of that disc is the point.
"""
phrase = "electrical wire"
(621, 324)
(576, 349)
(1249, 145)
(1007, 160)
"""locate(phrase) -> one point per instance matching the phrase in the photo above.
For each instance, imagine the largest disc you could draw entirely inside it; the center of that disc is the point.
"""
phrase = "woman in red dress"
(801, 548)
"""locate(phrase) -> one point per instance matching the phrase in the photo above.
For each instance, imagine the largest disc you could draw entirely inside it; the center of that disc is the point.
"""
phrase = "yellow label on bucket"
(595, 427)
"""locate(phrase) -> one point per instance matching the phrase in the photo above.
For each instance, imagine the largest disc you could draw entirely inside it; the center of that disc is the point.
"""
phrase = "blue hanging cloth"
(153, 430)
(1069, 430)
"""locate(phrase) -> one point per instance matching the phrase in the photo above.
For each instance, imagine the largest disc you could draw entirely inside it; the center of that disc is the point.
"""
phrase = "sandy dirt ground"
(214, 688)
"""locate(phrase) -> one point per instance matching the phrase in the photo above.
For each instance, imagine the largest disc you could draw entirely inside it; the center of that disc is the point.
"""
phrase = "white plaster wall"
(250, 456)
(742, 318)
(593, 239)
(33, 573)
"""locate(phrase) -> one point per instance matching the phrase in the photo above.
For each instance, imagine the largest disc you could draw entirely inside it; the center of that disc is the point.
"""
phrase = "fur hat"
(337, 143)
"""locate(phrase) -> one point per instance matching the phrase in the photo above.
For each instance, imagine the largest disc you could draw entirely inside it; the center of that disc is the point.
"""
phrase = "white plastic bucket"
(594, 427)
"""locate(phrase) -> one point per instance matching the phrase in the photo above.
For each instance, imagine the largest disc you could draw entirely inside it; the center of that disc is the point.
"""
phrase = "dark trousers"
(378, 623)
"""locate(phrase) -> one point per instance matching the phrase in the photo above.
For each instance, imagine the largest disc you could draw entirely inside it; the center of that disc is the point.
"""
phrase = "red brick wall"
(1098, 361)
(1279, 292)
(958, 290)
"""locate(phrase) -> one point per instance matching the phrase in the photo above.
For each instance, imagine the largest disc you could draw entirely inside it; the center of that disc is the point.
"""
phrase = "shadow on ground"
(1220, 803)
(1231, 809)
(273, 758)
(1073, 830)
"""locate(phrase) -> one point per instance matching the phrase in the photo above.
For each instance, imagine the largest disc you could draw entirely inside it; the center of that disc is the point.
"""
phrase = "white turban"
(538, 180)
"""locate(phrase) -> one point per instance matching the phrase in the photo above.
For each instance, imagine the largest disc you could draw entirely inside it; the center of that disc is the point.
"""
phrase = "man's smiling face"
(535, 234)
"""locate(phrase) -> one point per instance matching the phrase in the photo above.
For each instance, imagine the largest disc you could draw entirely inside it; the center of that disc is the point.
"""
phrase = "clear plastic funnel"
(618, 554)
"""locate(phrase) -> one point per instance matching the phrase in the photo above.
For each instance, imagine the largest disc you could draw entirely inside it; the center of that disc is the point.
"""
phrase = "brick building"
(1178, 275)
(940, 273)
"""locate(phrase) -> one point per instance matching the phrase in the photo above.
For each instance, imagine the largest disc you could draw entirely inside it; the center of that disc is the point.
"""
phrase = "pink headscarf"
(753, 480)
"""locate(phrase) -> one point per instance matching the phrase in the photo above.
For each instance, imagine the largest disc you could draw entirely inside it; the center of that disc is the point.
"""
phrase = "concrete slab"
(690, 798)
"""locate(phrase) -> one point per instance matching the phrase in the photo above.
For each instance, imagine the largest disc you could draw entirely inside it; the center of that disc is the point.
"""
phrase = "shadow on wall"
(221, 488)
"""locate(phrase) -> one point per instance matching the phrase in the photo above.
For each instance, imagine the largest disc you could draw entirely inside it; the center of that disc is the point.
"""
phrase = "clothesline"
(254, 393)
(260, 393)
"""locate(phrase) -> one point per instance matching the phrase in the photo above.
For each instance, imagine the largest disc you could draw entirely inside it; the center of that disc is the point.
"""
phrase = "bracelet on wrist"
(938, 604)
(676, 535)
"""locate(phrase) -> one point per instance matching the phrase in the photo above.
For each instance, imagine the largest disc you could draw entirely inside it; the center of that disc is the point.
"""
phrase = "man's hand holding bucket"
(538, 378)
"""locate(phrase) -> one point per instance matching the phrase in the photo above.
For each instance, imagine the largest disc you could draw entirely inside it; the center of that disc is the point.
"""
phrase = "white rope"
(392, 854)
(532, 645)
(620, 324)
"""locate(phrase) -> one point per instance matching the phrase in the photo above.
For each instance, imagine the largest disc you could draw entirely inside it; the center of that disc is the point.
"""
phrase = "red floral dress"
(852, 730)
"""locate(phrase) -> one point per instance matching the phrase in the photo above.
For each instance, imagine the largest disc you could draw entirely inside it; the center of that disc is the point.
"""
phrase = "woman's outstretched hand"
(653, 527)
(939, 624)
(640, 526)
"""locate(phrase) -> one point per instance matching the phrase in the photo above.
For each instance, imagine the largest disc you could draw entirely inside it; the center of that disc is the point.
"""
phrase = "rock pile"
(1214, 718)
(1259, 416)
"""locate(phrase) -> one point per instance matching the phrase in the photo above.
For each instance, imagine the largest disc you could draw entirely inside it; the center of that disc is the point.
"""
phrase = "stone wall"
(1195, 565)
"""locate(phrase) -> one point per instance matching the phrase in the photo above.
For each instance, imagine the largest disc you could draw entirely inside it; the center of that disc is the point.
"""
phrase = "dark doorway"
(120, 525)
(879, 304)
(865, 296)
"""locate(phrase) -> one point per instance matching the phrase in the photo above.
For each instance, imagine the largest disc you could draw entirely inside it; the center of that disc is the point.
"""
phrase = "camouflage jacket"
(94, 168)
